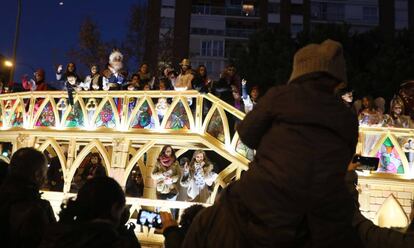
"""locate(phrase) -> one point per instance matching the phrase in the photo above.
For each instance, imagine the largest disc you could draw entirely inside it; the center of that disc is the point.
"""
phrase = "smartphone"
(149, 218)
(366, 163)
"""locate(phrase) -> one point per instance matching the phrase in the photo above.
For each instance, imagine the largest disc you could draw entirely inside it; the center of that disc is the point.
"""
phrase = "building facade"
(206, 30)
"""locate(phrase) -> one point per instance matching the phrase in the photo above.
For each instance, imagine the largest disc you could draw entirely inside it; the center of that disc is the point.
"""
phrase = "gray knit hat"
(325, 57)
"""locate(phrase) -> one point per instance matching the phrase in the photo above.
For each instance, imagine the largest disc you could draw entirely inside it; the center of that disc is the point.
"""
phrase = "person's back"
(304, 140)
(23, 214)
(293, 194)
(93, 219)
(4, 170)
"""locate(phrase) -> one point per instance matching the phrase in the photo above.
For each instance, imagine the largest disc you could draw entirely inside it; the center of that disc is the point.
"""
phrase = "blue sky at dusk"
(48, 30)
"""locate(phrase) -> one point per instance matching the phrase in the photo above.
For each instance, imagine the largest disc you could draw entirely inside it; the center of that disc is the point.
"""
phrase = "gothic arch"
(85, 151)
(62, 159)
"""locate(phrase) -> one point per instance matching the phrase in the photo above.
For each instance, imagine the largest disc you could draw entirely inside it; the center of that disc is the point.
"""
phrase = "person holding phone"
(293, 194)
(174, 233)
(370, 234)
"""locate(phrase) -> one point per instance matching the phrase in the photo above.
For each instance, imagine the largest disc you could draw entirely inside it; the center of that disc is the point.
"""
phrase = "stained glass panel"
(17, 117)
(75, 117)
(119, 105)
(178, 118)
(143, 118)
(131, 104)
(46, 117)
(215, 126)
(106, 117)
(390, 161)
(243, 150)
(37, 104)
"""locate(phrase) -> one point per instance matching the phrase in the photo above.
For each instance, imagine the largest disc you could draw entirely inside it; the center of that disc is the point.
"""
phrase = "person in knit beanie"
(37, 83)
(293, 194)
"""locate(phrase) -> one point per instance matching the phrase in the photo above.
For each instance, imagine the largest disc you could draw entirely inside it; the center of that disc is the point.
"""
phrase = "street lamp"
(16, 38)
(8, 63)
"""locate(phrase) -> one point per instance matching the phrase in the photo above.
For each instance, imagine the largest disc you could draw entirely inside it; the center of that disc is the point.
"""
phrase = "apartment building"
(206, 30)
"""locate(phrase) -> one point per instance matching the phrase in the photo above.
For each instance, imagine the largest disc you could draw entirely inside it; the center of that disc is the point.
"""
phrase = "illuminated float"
(127, 132)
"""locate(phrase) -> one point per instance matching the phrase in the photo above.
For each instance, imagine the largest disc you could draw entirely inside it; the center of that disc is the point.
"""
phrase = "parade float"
(128, 129)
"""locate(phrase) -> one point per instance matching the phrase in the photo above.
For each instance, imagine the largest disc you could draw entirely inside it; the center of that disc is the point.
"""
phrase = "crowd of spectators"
(372, 112)
(230, 87)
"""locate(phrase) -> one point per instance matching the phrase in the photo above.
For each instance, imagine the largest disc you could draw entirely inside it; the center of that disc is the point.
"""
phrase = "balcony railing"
(230, 32)
(237, 32)
(223, 11)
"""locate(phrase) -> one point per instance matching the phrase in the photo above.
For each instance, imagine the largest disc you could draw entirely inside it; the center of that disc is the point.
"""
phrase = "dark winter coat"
(87, 235)
(174, 237)
(24, 216)
(294, 192)
(374, 236)
(55, 175)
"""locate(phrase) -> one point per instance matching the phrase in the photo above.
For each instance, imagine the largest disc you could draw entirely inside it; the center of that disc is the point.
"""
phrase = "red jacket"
(27, 85)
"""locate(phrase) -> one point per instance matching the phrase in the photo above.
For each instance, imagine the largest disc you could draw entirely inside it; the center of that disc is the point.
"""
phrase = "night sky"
(48, 30)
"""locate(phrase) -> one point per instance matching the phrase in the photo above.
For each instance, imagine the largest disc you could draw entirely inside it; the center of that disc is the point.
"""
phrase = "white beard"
(116, 66)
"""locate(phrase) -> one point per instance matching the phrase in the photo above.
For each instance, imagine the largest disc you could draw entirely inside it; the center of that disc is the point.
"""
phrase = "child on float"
(94, 80)
(166, 173)
(133, 84)
(70, 69)
(163, 103)
(201, 176)
(249, 100)
(185, 173)
(72, 84)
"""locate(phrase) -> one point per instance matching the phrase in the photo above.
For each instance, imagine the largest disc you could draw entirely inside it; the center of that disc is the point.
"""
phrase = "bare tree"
(91, 49)
(165, 54)
(134, 42)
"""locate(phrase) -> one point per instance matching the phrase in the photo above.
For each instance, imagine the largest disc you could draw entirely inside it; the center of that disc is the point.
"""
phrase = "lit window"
(214, 48)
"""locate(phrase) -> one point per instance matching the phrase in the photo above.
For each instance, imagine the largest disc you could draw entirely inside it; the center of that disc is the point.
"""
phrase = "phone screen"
(149, 218)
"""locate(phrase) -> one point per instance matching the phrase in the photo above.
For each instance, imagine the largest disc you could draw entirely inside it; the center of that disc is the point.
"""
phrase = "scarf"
(166, 161)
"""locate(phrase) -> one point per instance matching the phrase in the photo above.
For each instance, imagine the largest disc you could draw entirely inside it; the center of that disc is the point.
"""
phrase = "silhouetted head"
(71, 67)
(99, 198)
(202, 70)
(188, 216)
(144, 68)
(95, 158)
(29, 164)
